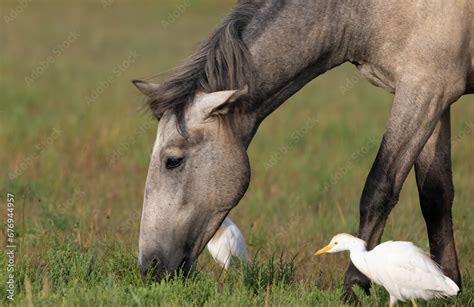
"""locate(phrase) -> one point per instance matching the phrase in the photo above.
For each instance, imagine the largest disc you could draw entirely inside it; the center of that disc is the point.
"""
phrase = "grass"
(98, 276)
(76, 149)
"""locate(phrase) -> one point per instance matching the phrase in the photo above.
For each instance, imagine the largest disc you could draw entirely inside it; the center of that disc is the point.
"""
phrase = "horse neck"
(292, 43)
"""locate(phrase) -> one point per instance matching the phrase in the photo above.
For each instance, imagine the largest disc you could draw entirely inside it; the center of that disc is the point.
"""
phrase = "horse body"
(422, 51)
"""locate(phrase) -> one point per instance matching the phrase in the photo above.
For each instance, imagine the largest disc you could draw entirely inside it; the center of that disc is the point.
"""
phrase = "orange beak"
(324, 249)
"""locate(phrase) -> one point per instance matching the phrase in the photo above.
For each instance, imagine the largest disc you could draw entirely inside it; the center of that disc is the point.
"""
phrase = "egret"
(227, 245)
(402, 268)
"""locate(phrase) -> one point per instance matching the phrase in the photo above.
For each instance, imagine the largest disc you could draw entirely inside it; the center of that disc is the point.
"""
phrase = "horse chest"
(377, 77)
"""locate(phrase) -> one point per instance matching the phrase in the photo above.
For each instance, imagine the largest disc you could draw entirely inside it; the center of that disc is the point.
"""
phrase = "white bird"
(402, 268)
(227, 245)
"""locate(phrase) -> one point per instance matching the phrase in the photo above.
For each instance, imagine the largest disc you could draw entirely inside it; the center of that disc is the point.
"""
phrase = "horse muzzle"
(156, 266)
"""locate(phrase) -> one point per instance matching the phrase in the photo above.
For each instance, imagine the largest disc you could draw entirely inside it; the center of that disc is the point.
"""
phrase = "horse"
(263, 52)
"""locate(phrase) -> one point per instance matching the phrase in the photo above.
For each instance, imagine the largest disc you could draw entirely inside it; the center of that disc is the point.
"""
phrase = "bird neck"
(358, 251)
(357, 246)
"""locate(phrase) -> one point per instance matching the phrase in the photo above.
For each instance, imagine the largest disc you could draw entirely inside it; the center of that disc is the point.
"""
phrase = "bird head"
(340, 242)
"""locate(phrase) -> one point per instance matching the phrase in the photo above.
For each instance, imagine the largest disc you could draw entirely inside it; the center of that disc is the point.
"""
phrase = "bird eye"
(173, 162)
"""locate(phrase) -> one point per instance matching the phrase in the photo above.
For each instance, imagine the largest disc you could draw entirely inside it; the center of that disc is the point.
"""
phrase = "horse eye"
(173, 162)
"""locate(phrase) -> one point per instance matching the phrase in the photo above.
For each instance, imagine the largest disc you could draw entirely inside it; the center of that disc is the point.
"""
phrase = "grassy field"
(75, 150)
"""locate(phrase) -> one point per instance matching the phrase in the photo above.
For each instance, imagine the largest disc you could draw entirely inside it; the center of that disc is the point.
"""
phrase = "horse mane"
(222, 62)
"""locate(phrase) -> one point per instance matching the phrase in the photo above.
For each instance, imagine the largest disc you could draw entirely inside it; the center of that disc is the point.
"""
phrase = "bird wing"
(228, 244)
(236, 242)
(406, 271)
(220, 250)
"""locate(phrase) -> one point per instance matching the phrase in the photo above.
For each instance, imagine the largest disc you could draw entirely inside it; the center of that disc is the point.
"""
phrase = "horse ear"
(219, 103)
(147, 88)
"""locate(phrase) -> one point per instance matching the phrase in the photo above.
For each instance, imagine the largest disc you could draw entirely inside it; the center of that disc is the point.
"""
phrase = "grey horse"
(209, 109)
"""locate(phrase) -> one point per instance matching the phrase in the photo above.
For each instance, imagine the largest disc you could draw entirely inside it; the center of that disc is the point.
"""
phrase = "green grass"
(77, 165)
(106, 276)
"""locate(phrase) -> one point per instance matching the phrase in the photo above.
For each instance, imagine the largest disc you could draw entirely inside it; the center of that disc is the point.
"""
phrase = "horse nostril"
(186, 266)
(149, 269)
(153, 267)
(182, 264)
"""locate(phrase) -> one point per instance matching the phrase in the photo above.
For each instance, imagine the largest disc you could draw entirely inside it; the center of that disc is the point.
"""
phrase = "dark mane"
(222, 62)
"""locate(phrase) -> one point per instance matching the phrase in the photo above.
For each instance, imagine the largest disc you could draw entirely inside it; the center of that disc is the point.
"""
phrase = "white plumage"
(402, 268)
(227, 245)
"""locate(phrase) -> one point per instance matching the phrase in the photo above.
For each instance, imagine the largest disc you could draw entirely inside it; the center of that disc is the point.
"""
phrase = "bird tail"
(452, 288)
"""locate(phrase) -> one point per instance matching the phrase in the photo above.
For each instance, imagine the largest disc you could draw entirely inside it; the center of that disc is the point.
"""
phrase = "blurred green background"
(76, 147)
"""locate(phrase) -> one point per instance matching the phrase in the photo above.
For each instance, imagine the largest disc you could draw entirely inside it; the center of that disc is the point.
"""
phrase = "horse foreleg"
(435, 187)
(416, 110)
